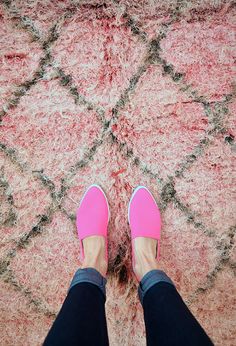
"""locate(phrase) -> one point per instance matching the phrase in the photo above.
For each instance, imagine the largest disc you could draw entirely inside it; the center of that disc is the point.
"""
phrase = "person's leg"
(81, 320)
(168, 321)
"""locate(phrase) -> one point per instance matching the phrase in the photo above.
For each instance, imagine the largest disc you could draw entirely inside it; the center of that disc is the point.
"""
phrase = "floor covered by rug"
(120, 94)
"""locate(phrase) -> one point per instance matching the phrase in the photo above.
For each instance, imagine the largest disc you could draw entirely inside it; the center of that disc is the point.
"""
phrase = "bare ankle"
(94, 251)
(100, 266)
(145, 256)
(143, 267)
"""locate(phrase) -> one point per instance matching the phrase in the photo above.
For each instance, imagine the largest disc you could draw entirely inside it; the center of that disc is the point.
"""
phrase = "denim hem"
(150, 279)
(90, 275)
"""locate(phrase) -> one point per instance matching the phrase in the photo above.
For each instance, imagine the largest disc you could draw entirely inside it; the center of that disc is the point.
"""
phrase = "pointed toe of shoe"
(144, 214)
(92, 216)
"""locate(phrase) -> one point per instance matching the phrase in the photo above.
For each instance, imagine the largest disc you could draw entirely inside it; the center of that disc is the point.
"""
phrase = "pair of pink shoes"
(143, 214)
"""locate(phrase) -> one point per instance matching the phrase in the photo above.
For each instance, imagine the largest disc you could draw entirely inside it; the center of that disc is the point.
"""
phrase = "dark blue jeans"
(82, 320)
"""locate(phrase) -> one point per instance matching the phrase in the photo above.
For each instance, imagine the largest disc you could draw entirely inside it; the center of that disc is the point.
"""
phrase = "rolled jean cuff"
(150, 279)
(90, 275)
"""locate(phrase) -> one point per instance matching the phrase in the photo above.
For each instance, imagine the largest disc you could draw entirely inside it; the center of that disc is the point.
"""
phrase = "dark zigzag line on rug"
(11, 216)
(222, 263)
(36, 303)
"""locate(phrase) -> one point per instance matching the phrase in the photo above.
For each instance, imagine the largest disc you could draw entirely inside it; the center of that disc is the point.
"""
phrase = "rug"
(120, 94)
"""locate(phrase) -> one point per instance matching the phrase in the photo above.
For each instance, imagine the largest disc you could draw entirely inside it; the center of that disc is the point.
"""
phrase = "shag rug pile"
(118, 93)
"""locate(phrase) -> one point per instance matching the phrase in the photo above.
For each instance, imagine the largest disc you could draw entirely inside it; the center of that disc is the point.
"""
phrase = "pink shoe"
(144, 217)
(92, 216)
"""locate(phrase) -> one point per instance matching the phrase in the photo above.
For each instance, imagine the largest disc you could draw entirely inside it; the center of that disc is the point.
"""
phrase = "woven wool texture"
(117, 93)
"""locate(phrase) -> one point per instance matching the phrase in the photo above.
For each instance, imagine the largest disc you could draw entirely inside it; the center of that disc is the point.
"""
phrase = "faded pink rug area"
(120, 94)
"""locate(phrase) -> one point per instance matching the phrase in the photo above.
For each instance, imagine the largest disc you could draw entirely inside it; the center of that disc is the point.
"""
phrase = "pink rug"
(117, 93)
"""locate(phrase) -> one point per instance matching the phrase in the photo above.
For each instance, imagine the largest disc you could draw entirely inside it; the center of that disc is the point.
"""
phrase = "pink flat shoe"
(92, 216)
(144, 217)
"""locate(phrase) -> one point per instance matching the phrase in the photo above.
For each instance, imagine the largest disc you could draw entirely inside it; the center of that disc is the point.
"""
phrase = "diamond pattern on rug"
(119, 94)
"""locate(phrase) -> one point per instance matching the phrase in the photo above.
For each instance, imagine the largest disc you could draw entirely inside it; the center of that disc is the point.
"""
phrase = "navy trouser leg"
(168, 320)
(81, 320)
